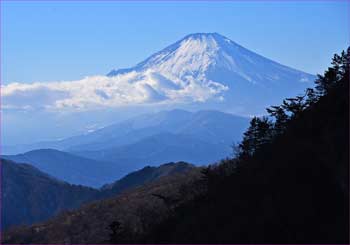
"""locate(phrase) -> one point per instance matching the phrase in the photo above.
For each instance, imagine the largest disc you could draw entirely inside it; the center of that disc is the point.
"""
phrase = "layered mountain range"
(107, 154)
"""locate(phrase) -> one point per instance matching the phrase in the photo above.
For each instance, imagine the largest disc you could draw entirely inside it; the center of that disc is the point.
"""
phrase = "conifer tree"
(258, 134)
(332, 76)
(281, 119)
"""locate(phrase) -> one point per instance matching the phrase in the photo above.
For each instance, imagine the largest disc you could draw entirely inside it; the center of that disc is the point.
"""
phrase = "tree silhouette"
(281, 119)
(258, 134)
(294, 106)
(332, 76)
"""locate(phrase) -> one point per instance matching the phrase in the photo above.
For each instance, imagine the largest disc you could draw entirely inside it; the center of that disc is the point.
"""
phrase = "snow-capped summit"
(202, 53)
(192, 55)
(241, 79)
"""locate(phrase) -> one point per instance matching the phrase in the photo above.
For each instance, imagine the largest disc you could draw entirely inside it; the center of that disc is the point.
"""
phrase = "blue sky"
(51, 41)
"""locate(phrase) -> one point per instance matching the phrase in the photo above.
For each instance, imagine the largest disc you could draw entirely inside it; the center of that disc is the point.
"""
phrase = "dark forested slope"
(289, 182)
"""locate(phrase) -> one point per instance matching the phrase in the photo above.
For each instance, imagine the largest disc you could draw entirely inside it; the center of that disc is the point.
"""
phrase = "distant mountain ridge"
(202, 125)
(132, 130)
(163, 147)
(68, 167)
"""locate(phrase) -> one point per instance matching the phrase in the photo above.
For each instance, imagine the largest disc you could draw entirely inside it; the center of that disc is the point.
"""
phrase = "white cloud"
(133, 88)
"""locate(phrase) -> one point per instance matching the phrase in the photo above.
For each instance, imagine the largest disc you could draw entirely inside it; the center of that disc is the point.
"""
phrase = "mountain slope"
(208, 126)
(131, 130)
(70, 168)
(200, 138)
(29, 195)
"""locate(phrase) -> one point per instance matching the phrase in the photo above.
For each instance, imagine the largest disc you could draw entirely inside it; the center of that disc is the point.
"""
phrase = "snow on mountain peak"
(193, 54)
(213, 66)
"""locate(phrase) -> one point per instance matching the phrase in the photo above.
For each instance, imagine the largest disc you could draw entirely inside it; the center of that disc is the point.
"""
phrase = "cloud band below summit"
(132, 88)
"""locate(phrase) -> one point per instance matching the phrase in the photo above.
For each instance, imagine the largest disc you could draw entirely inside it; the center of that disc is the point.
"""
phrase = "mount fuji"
(203, 71)
(219, 72)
